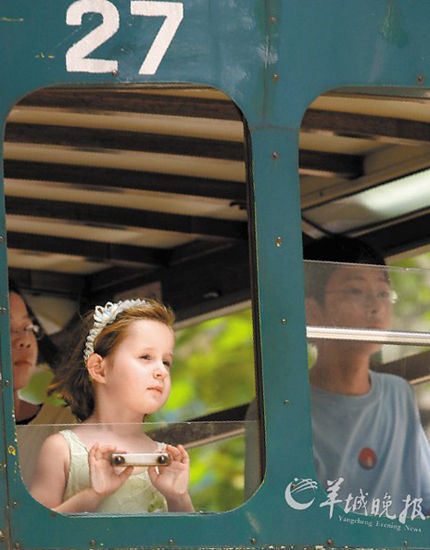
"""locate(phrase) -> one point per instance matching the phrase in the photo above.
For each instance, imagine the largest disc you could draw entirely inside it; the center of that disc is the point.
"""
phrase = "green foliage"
(213, 369)
(35, 391)
(412, 310)
(217, 475)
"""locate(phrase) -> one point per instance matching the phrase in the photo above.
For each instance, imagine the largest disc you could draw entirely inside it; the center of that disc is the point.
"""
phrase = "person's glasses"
(359, 295)
(26, 331)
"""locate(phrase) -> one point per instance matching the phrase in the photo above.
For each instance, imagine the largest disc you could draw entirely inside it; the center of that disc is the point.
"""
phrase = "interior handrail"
(407, 338)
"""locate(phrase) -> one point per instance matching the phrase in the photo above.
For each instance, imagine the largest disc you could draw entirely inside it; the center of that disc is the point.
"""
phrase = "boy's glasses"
(360, 296)
(26, 331)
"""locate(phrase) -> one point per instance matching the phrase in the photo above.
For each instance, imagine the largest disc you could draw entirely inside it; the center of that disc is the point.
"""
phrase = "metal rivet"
(92, 542)
(283, 321)
(330, 542)
(286, 402)
(6, 382)
(420, 78)
(272, 19)
(3, 309)
(17, 545)
(115, 72)
(1, 535)
(252, 540)
(171, 541)
(275, 77)
(15, 504)
(1, 239)
(275, 155)
(405, 543)
(278, 242)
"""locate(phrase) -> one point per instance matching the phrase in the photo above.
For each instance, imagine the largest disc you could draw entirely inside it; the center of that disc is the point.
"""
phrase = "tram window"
(121, 193)
(379, 450)
(367, 325)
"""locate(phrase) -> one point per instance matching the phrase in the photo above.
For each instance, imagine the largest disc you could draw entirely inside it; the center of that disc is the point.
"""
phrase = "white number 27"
(77, 59)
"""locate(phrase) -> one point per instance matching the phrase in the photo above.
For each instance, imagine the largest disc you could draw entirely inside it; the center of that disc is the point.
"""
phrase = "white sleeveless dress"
(136, 495)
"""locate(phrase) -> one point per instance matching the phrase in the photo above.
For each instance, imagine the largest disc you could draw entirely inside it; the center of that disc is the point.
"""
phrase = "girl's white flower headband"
(105, 315)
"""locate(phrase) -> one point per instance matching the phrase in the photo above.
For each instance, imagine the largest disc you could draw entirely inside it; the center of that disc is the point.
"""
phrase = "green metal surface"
(236, 46)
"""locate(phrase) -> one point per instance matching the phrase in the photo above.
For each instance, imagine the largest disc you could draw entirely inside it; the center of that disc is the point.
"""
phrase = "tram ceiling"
(110, 189)
(378, 128)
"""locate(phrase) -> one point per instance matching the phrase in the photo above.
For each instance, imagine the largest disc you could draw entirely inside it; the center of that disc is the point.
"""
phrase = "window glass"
(363, 167)
(116, 194)
(368, 334)
(216, 450)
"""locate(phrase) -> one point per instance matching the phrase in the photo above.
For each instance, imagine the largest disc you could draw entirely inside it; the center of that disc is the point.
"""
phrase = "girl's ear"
(96, 368)
(314, 313)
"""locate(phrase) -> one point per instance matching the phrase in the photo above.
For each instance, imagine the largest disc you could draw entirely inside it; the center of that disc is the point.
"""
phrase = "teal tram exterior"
(272, 58)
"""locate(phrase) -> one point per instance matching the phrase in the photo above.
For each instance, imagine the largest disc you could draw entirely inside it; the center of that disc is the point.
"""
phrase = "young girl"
(119, 374)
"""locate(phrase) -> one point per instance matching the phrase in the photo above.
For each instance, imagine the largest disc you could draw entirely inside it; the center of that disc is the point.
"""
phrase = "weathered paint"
(272, 58)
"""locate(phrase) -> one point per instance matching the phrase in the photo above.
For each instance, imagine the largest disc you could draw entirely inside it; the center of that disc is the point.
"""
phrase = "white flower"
(105, 315)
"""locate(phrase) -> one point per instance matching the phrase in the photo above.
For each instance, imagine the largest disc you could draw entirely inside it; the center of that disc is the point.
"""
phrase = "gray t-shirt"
(376, 443)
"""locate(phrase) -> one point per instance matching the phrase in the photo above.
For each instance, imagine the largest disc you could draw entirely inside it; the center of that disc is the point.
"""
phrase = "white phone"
(141, 459)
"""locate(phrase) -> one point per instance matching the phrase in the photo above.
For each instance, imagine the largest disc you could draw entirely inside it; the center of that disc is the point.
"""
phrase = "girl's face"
(138, 370)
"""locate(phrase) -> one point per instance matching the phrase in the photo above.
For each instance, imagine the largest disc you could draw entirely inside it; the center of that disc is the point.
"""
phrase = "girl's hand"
(172, 481)
(103, 478)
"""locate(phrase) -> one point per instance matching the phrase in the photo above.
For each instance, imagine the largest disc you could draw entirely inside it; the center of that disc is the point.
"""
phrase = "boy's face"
(355, 297)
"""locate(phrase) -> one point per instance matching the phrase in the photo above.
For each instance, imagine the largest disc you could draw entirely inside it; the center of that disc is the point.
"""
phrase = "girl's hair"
(72, 380)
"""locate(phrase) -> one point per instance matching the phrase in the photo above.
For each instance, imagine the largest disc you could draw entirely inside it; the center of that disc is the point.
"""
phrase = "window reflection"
(213, 378)
(369, 444)
(136, 196)
(216, 451)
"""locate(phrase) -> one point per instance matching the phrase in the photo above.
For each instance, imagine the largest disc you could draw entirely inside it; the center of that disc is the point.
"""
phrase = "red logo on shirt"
(367, 458)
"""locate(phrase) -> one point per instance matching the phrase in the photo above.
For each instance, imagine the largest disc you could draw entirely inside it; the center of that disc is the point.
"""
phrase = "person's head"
(347, 295)
(335, 249)
(23, 339)
(124, 346)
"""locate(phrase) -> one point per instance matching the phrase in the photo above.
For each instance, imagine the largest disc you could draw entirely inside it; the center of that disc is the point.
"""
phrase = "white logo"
(299, 486)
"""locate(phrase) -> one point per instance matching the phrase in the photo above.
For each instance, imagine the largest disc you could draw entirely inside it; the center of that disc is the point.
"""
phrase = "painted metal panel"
(273, 58)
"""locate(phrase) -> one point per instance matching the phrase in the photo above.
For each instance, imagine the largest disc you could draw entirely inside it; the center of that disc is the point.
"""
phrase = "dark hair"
(72, 380)
(13, 287)
(47, 350)
(335, 249)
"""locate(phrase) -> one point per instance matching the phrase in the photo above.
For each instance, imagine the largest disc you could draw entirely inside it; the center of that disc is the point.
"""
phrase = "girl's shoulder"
(55, 442)
(55, 447)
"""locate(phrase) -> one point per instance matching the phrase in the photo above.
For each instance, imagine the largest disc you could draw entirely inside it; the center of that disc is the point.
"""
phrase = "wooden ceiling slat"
(130, 102)
(195, 249)
(330, 164)
(399, 236)
(191, 285)
(95, 138)
(393, 130)
(91, 176)
(49, 282)
(116, 279)
(109, 216)
(90, 250)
